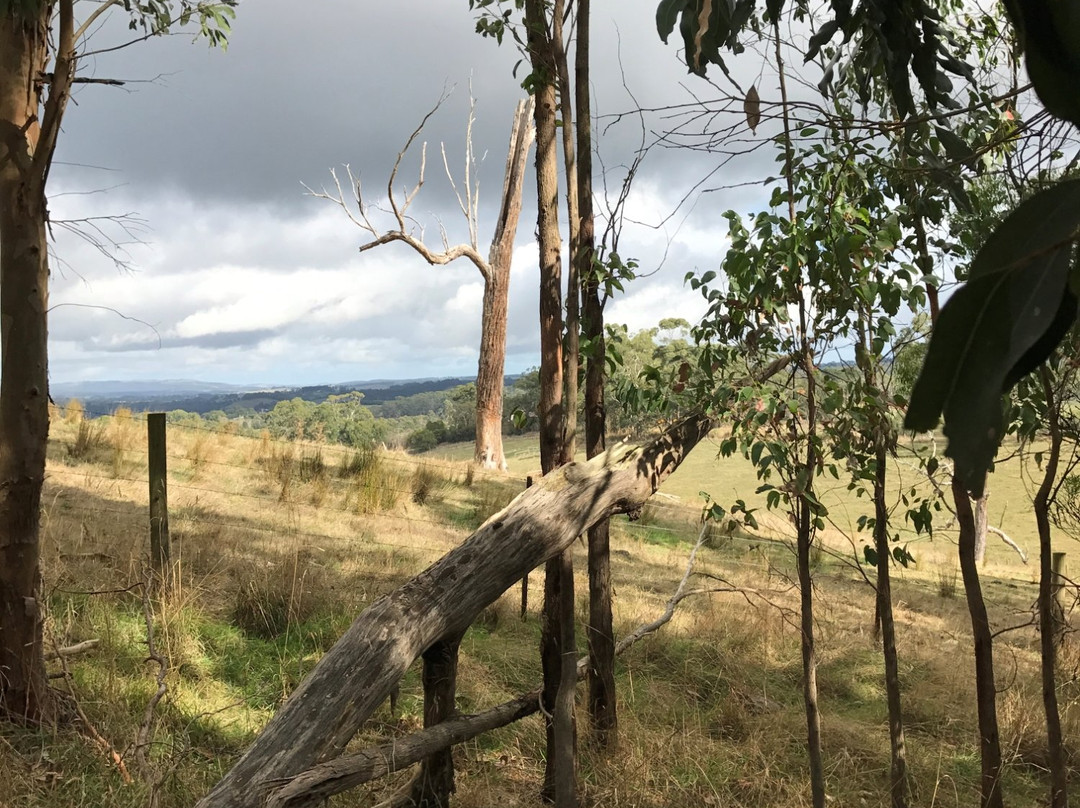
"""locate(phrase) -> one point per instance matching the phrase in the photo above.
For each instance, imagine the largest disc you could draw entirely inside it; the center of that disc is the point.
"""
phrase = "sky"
(231, 271)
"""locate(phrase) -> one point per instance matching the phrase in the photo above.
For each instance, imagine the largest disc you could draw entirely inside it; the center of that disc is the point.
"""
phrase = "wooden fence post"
(159, 500)
(1058, 612)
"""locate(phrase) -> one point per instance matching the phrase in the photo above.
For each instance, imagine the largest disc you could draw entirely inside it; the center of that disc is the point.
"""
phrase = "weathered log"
(321, 782)
(358, 673)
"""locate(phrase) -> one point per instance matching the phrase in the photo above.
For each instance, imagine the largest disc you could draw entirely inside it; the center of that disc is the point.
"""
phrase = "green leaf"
(1049, 31)
(667, 13)
(870, 554)
(955, 147)
(1002, 324)
(1047, 221)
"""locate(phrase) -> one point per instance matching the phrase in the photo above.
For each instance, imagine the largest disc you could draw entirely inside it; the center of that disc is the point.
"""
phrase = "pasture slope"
(277, 546)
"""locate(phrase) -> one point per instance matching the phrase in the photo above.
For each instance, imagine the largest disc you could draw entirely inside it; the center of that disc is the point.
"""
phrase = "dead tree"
(358, 673)
(495, 269)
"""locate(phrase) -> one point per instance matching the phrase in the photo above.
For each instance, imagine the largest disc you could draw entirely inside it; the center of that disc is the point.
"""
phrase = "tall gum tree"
(39, 54)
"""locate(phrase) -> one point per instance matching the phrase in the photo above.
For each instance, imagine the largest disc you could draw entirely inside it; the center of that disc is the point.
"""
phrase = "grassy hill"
(278, 546)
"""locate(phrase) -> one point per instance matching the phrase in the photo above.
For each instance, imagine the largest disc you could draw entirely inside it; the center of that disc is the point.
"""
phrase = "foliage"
(159, 16)
(339, 419)
(894, 42)
(1020, 299)
(422, 440)
(1014, 310)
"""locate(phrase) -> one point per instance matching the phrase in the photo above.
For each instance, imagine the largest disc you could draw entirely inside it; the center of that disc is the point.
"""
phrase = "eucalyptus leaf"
(986, 330)
(1049, 31)
(1045, 222)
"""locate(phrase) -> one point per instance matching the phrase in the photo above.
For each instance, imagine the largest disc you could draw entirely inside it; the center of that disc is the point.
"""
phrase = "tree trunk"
(547, 190)
(803, 514)
(572, 358)
(600, 634)
(1059, 795)
(355, 676)
(809, 659)
(985, 691)
(434, 783)
(898, 777)
(489, 375)
(551, 414)
(24, 398)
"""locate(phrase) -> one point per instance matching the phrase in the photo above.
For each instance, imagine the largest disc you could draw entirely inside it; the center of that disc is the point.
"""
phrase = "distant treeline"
(418, 415)
(417, 397)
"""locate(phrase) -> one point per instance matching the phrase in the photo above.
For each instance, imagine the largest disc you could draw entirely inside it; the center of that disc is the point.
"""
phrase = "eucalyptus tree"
(41, 43)
(891, 49)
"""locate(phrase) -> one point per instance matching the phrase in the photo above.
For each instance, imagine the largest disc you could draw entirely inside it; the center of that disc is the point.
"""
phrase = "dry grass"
(277, 547)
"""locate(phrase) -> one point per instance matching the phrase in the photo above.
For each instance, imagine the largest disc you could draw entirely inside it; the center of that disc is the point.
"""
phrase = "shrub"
(422, 440)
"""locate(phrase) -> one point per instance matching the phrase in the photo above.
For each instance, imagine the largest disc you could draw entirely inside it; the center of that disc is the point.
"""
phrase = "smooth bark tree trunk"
(898, 776)
(1059, 794)
(547, 189)
(434, 783)
(809, 658)
(489, 376)
(600, 634)
(564, 722)
(803, 514)
(572, 358)
(551, 413)
(985, 689)
(355, 676)
(24, 395)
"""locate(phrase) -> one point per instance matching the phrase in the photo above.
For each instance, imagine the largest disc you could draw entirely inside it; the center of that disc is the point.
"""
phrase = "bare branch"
(402, 233)
(1005, 538)
(72, 650)
(89, 21)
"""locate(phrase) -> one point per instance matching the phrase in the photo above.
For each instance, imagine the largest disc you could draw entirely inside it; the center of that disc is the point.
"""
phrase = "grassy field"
(279, 546)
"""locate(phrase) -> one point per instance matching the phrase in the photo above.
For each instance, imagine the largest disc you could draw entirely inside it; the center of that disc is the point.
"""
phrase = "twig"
(86, 727)
(144, 736)
(72, 650)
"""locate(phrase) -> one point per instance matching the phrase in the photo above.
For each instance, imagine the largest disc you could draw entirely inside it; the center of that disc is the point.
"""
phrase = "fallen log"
(358, 673)
(316, 785)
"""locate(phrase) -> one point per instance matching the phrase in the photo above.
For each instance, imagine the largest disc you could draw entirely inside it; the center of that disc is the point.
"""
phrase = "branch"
(1005, 538)
(59, 92)
(673, 601)
(89, 21)
(72, 650)
(468, 205)
(145, 734)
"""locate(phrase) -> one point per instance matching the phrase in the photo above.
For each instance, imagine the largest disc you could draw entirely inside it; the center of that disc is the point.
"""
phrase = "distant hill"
(203, 397)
